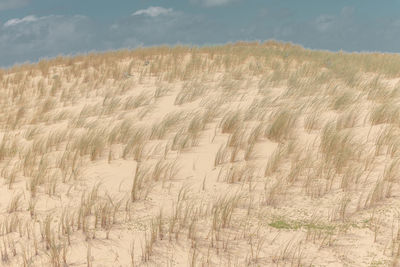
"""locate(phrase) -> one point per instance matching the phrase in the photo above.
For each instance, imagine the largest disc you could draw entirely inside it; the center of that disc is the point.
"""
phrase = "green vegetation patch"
(294, 225)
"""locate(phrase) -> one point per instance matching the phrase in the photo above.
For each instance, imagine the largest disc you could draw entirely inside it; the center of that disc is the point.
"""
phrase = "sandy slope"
(242, 155)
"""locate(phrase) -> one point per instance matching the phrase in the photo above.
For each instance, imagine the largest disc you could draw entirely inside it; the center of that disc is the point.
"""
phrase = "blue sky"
(34, 29)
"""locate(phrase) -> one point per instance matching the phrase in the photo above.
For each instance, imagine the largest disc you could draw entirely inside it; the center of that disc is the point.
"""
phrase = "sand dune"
(238, 155)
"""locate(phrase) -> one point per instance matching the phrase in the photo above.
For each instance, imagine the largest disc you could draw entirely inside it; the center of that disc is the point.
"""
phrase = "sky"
(34, 29)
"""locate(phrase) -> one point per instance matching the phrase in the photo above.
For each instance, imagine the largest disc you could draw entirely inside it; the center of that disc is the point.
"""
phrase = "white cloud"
(11, 4)
(13, 22)
(153, 11)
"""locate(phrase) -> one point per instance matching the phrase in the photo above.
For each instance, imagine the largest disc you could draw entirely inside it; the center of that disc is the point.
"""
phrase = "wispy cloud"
(212, 3)
(33, 37)
(153, 11)
(13, 22)
(11, 4)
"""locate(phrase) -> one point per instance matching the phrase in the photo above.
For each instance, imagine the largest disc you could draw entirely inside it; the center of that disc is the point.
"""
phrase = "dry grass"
(385, 113)
(190, 92)
(282, 123)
